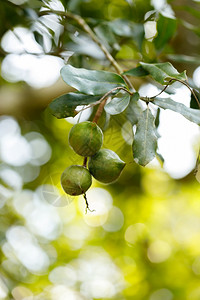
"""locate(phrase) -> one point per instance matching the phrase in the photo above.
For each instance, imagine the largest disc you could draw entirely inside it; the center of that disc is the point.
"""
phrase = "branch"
(87, 204)
(93, 36)
(99, 111)
(151, 99)
(105, 96)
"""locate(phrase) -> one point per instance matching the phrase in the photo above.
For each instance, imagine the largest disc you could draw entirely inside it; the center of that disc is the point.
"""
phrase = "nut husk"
(106, 166)
(86, 138)
(76, 180)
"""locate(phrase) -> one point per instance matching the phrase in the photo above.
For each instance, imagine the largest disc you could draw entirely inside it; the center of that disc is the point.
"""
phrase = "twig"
(85, 162)
(181, 81)
(150, 99)
(105, 96)
(99, 111)
(186, 84)
(87, 204)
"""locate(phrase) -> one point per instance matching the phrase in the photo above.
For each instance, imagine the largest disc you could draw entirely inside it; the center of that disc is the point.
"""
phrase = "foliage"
(146, 245)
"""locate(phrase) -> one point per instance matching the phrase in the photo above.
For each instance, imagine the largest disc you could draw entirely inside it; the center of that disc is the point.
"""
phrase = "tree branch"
(93, 36)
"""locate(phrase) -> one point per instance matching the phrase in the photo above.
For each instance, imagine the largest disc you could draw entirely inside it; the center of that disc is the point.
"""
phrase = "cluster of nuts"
(104, 165)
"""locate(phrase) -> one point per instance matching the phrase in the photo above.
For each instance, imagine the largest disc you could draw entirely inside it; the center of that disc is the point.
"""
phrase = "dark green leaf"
(145, 140)
(166, 28)
(134, 111)
(137, 72)
(91, 82)
(160, 159)
(191, 114)
(64, 106)
(193, 101)
(38, 38)
(163, 72)
(157, 120)
(117, 105)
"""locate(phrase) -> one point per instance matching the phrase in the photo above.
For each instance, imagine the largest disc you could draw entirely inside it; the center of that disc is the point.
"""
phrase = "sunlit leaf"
(91, 82)
(145, 140)
(64, 106)
(163, 72)
(117, 104)
(191, 114)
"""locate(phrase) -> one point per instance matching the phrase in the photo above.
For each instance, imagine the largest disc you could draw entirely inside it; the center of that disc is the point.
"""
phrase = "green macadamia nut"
(76, 180)
(86, 138)
(105, 166)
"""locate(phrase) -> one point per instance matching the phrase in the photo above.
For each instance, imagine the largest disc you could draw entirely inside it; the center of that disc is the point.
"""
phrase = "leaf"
(184, 58)
(145, 140)
(166, 28)
(191, 114)
(83, 45)
(73, 5)
(137, 72)
(117, 104)
(129, 29)
(193, 101)
(191, 10)
(163, 72)
(34, 3)
(64, 106)
(157, 119)
(106, 35)
(91, 82)
(134, 111)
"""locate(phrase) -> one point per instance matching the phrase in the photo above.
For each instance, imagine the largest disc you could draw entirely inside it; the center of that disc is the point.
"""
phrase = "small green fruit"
(76, 180)
(86, 138)
(105, 166)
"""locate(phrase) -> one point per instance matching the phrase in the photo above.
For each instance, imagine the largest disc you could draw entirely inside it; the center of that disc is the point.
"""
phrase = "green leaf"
(145, 140)
(184, 58)
(157, 119)
(137, 72)
(34, 3)
(64, 106)
(163, 72)
(129, 29)
(191, 114)
(191, 10)
(166, 28)
(134, 111)
(193, 101)
(106, 35)
(117, 104)
(91, 82)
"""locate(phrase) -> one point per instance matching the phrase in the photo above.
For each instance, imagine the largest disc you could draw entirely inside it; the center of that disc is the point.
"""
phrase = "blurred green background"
(142, 241)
